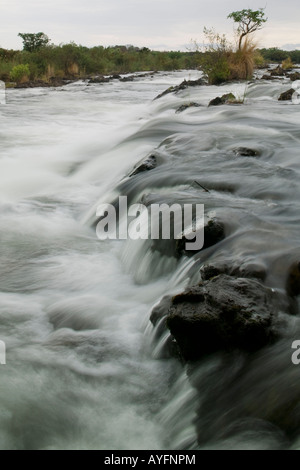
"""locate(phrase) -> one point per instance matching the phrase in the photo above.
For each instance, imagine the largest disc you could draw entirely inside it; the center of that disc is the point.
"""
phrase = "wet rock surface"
(148, 164)
(185, 84)
(223, 313)
(187, 106)
(214, 232)
(225, 99)
(286, 95)
(246, 152)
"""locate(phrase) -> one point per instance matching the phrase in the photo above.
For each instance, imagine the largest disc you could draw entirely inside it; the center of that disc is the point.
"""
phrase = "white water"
(74, 312)
(79, 371)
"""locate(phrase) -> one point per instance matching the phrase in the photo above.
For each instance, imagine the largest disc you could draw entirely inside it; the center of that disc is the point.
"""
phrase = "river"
(83, 369)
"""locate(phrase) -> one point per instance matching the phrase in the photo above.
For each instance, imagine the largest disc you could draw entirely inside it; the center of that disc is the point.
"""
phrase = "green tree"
(248, 21)
(34, 42)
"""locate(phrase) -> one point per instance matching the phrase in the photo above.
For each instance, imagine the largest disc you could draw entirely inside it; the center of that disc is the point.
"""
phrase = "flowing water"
(84, 370)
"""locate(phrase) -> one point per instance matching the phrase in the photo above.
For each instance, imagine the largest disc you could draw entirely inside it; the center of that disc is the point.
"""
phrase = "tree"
(34, 42)
(248, 21)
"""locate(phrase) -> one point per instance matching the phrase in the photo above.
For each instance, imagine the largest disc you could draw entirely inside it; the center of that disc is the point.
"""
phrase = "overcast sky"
(157, 24)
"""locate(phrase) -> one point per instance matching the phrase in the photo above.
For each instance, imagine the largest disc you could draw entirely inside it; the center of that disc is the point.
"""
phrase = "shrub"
(259, 60)
(287, 64)
(241, 62)
(20, 73)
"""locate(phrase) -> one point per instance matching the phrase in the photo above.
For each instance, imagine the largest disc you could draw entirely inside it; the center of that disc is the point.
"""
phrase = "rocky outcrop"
(223, 313)
(225, 99)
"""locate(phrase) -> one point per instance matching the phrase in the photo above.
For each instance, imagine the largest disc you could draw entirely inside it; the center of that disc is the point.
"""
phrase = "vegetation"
(70, 61)
(276, 55)
(287, 64)
(221, 61)
(20, 73)
(34, 42)
(248, 22)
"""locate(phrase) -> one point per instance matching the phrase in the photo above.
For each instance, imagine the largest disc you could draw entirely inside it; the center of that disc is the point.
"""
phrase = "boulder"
(223, 313)
(286, 95)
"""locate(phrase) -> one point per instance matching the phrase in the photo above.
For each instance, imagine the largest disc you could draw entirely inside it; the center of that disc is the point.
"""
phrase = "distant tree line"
(45, 60)
(41, 60)
(278, 55)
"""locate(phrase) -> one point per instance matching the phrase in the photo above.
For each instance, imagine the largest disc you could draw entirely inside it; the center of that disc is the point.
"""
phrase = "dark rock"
(185, 84)
(278, 72)
(53, 82)
(115, 76)
(186, 106)
(268, 77)
(293, 280)
(148, 164)
(286, 95)
(214, 232)
(246, 152)
(99, 80)
(251, 270)
(294, 76)
(223, 313)
(127, 79)
(225, 99)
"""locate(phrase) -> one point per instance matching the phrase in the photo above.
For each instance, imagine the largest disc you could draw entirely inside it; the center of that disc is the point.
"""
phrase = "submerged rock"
(186, 106)
(286, 95)
(148, 164)
(222, 313)
(246, 152)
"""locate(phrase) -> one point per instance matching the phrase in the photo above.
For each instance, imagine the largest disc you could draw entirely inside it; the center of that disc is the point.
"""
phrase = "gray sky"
(158, 24)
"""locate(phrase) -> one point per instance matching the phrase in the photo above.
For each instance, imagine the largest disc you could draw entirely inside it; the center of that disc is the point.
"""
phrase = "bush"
(287, 64)
(20, 73)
